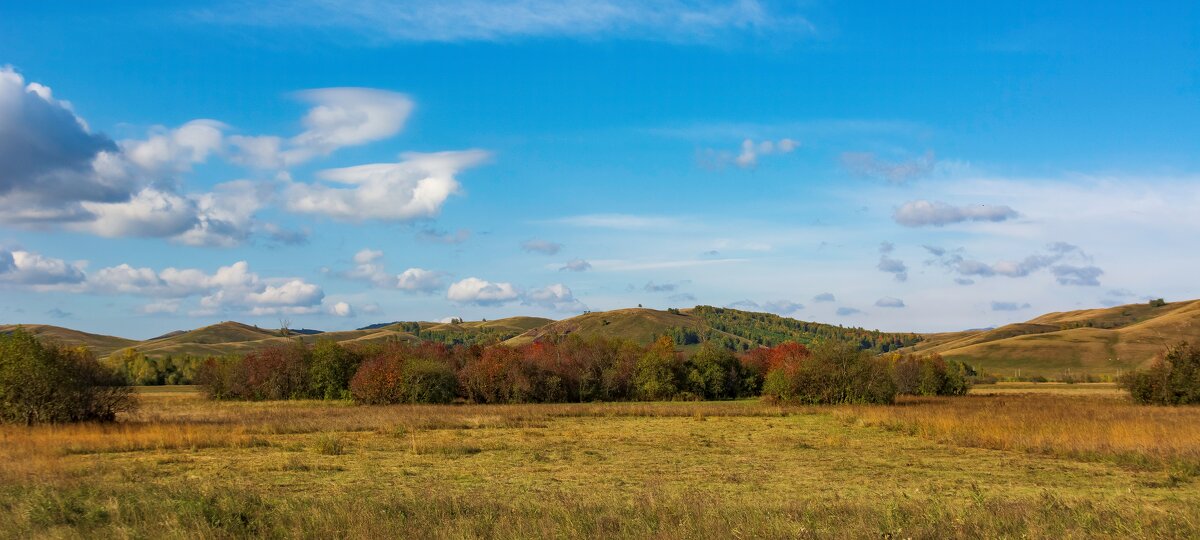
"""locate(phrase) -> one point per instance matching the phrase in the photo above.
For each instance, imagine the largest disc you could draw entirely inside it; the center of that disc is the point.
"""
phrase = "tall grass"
(1088, 428)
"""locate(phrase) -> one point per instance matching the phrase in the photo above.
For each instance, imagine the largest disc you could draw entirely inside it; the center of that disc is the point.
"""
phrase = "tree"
(714, 372)
(656, 376)
(836, 372)
(331, 369)
(1172, 379)
(47, 383)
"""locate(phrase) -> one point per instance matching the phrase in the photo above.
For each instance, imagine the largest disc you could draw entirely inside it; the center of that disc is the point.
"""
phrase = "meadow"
(1068, 464)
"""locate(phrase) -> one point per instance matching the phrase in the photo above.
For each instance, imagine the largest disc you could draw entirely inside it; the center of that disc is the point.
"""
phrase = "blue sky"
(928, 166)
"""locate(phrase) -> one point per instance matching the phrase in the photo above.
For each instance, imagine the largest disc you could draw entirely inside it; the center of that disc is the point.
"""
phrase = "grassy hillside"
(639, 325)
(735, 328)
(100, 344)
(1095, 341)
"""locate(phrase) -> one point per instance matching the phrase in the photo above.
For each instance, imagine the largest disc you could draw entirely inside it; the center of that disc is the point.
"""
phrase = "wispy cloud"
(675, 21)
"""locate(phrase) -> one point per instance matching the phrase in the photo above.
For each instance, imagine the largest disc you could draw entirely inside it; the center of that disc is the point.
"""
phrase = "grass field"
(1012, 465)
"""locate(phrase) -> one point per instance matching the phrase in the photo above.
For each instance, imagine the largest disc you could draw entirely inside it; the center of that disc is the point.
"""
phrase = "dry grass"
(1087, 428)
(185, 467)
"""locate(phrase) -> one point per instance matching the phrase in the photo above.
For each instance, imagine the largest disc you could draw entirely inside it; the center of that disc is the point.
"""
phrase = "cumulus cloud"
(230, 288)
(576, 265)
(341, 309)
(477, 291)
(545, 247)
(176, 150)
(48, 156)
(923, 213)
(824, 297)
(19, 267)
(897, 172)
(682, 297)
(1009, 306)
(1055, 257)
(895, 267)
(340, 117)
(557, 297)
(889, 302)
(414, 188)
(748, 155)
(847, 311)
(368, 266)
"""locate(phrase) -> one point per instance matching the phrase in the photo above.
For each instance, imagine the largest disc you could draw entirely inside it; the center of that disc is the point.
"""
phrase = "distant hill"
(100, 344)
(1096, 341)
(1093, 341)
(734, 328)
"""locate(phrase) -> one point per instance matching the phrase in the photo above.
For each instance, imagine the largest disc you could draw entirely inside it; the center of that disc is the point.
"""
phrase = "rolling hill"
(1095, 341)
(734, 328)
(100, 344)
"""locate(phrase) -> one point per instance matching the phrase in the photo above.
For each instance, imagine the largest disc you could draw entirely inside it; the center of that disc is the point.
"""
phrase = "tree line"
(575, 369)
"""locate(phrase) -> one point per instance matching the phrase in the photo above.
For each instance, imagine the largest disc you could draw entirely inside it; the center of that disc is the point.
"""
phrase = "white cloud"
(176, 150)
(473, 290)
(341, 309)
(748, 155)
(824, 297)
(576, 265)
(414, 188)
(557, 297)
(676, 21)
(161, 307)
(1056, 252)
(922, 213)
(369, 267)
(31, 269)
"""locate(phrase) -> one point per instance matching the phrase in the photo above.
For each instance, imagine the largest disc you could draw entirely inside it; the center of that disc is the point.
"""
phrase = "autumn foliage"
(561, 369)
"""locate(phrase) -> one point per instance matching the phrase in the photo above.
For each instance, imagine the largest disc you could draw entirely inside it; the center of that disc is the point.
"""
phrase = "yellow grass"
(1088, 428)
(186, 467)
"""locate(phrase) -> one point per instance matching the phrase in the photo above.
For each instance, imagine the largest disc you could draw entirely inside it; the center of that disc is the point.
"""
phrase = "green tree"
(331, 369)
(46, 383)
(656, 376)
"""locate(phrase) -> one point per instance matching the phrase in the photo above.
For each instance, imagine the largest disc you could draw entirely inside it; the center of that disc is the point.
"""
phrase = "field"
(1067, 461)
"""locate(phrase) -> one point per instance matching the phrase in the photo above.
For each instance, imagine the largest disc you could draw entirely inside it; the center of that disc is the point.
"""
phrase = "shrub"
(331, 369)
(404, 374)
(46, 383)
(929, 375)
(276, 372)
(221, 378)
(1173, 378)
(834, 373)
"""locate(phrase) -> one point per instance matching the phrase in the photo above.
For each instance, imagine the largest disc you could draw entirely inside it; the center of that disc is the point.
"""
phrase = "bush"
(1173, 378)
(331, 369)
(929, 375)
(46, 383)
(714, 373)
(834, 373)
(277, 372)
(404, 374)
